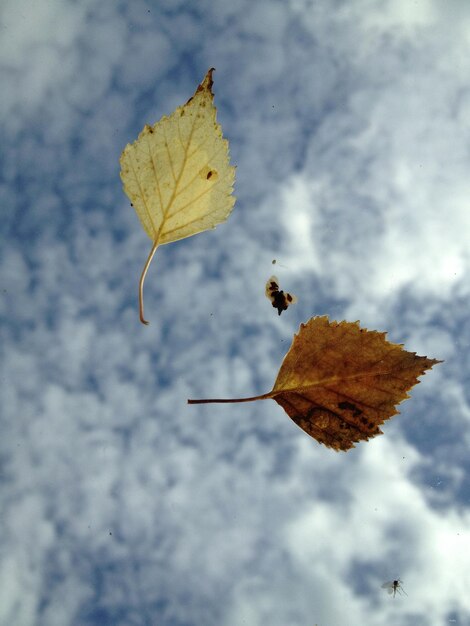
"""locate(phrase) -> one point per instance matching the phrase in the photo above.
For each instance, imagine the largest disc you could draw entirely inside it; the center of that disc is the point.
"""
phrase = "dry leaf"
(279, 299)
(339, 382)
(178, 174)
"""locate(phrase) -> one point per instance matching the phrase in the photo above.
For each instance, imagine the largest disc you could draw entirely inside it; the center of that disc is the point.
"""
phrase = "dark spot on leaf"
(349, 406)
(209, 174)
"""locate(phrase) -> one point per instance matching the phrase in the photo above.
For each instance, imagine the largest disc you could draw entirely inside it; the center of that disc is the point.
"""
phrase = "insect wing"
(271, 287)
(389, 586)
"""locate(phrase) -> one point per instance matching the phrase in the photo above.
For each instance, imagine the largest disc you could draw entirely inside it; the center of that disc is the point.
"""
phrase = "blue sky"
(122, 505)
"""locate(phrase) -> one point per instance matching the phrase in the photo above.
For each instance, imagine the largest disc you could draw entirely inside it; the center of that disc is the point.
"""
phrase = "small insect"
(279, 299)
(392, 586)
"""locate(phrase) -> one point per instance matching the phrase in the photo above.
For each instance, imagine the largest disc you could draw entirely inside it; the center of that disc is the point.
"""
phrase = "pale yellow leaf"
(178, 174)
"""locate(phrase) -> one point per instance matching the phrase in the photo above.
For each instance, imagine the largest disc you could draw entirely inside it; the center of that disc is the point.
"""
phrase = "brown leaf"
(339, 382)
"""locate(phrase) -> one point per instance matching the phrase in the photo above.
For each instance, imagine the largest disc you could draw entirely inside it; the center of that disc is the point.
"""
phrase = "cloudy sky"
(122, 505)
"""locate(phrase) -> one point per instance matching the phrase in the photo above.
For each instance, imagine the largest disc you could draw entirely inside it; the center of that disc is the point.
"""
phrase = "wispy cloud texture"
(120, 503)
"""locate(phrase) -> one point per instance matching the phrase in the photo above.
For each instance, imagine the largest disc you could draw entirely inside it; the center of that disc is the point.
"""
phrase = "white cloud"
(408, 17)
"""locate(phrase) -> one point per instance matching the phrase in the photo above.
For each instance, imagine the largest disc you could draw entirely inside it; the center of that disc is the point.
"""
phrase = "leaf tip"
(207, 83)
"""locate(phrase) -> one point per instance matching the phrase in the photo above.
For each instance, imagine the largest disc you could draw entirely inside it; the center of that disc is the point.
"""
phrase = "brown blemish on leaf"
(208, 173)
(349, 406)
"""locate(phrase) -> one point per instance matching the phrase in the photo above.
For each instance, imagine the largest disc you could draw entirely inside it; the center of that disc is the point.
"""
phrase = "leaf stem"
(264, 396)
(141, 283)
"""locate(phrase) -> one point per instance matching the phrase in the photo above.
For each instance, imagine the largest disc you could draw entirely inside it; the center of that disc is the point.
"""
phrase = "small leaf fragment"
(279, 299)
(339, 382)
(177, 174)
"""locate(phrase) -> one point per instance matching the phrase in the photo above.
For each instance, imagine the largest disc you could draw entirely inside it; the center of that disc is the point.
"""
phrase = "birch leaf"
(177, 174)
(339, 382)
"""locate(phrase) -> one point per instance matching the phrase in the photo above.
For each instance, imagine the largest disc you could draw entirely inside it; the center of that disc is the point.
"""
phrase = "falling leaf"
(178, 174)
(339, 382)
(279, 299)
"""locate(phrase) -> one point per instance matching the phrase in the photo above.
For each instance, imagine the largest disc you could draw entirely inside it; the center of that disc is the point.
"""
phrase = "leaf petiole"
(264, 396)
(141, 283)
